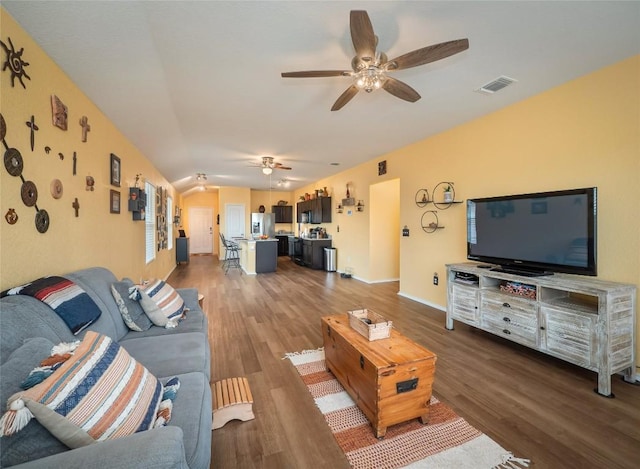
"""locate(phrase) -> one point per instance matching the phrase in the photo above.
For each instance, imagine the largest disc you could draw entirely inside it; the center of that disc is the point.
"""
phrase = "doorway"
(384, 231)
(234, 226)
(201, 230)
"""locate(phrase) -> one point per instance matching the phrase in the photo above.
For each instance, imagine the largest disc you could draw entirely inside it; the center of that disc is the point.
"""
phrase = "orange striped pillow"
(97, 394)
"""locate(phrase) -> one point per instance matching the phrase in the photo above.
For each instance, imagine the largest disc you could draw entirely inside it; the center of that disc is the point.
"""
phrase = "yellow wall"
(583, 133)
(96, 237)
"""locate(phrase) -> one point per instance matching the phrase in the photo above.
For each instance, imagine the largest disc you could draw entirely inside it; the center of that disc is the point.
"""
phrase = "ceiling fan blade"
(345, 98)
(281, 166)
(364, 40)
(400, 90)
(427, 54)
(317, 73)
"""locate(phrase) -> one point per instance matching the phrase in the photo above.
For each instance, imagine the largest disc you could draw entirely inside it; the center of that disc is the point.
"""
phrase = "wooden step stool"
(233, 401)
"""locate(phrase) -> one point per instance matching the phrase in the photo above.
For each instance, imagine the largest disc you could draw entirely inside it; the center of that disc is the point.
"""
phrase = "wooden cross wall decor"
(76, 206)
(84, 123)
(32, 125)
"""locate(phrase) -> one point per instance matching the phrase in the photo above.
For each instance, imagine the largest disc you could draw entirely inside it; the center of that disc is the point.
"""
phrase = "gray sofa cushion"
(33, 441)
(23, 317)
(170, 355)
(195, 421)
(194, 321)
(96, 281)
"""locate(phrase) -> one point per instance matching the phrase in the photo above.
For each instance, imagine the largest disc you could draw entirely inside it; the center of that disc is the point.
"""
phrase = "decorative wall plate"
(13, 162)
(42, 221)
(56, 188)
(3, 128)
(29, 193)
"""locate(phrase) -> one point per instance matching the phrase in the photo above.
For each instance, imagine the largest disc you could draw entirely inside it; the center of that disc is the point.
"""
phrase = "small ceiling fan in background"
(268, 165)
(370, 67)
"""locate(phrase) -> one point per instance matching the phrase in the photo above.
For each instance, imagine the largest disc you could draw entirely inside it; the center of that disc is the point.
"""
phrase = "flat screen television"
(535, 234)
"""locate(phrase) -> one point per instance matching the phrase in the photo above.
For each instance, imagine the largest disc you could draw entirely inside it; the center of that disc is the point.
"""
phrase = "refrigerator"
(263, 224)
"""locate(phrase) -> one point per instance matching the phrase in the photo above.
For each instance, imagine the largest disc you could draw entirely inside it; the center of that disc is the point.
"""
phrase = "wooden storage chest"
(389, 379)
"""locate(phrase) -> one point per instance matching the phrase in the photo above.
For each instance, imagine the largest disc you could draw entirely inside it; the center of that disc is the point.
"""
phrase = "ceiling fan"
(370, 67)
(268, 165)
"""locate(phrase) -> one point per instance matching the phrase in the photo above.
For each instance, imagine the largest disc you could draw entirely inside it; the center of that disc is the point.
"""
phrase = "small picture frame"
(115, 170)
(114, 201)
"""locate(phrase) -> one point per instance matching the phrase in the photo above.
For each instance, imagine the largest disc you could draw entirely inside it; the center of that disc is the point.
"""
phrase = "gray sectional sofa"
(29, 327)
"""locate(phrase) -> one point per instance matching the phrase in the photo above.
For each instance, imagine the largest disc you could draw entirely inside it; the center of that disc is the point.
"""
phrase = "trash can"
(330, 259)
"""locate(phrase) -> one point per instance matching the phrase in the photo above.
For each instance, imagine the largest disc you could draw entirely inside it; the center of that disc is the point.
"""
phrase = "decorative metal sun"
(15, 63)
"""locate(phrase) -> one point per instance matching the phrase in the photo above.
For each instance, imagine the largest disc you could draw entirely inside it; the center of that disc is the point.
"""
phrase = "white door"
(234, 222)
(201, 230)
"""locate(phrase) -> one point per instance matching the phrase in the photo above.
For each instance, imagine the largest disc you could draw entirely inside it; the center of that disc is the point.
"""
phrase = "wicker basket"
(378, 329)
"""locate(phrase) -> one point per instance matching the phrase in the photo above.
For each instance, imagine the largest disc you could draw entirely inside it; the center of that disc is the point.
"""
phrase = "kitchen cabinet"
(313, 252)
(318, 210)
(284, 213)
(266, 256)
(283, 245)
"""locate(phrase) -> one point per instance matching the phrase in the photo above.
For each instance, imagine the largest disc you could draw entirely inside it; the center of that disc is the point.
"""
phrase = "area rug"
(447, 441)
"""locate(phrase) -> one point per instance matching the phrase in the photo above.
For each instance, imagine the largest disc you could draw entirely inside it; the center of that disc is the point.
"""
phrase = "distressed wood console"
(585, 321)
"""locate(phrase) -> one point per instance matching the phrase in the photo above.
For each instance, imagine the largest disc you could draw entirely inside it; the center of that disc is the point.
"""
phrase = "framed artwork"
(115, 170)
(114, 201)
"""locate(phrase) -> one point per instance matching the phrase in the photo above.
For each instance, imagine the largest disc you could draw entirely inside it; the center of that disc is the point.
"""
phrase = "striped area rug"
(447, 441)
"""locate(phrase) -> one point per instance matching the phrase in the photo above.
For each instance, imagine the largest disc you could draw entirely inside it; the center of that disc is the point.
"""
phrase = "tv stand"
(582, 320)
(522, 272)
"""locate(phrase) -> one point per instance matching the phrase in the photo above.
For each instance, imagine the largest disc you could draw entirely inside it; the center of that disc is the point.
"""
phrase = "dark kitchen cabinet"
(313, 252)
(284, 213)
(318, 210)
(283, 245)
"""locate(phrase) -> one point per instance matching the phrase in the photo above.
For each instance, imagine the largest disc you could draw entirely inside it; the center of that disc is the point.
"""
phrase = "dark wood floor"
(531, 404)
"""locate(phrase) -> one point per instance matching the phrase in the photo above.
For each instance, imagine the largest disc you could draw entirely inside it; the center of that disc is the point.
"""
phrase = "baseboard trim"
(423, 301)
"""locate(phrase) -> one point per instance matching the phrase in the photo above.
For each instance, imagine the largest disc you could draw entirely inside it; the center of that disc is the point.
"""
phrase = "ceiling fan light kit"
(370, 68)
(268, 165)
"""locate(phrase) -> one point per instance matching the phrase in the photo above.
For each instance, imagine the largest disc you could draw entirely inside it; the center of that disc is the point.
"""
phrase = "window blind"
(150, 223)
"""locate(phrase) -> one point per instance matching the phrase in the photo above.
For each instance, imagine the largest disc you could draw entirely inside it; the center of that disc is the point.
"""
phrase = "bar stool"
(231, 255)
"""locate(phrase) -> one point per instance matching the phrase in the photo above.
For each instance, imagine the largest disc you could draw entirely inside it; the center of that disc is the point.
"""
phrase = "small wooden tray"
(378, 329)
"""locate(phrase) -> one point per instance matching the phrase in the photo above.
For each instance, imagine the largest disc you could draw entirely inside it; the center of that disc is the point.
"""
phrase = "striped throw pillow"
(98, 393)
(160, 301)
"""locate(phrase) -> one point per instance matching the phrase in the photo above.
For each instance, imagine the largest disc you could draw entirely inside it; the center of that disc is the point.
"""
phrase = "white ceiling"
(196, 85)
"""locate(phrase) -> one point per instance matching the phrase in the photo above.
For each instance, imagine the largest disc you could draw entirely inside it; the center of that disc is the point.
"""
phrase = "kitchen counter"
(258, 255)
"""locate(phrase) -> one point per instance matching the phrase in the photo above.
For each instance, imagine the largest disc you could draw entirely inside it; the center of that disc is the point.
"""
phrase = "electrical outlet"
(435, 278)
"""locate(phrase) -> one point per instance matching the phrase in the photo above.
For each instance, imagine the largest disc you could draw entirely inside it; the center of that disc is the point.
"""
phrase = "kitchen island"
(258, 255)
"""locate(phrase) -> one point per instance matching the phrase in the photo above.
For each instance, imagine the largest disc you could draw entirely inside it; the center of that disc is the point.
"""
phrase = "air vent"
(496, 85)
